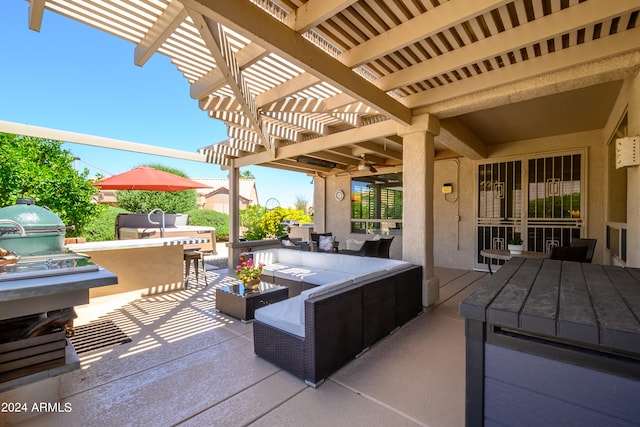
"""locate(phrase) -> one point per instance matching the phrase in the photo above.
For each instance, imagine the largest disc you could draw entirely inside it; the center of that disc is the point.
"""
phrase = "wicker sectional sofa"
(340, 305)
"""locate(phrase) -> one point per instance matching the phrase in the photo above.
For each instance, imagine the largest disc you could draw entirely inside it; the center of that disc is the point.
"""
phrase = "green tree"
(271, 221)
(301, 203)
(102, 227)
(246, 174)
(250, 219)
(210, 218)
(43, 170)
(139, 201)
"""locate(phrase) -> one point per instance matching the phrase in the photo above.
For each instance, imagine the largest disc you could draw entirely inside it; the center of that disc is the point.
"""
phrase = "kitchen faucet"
(153, 222)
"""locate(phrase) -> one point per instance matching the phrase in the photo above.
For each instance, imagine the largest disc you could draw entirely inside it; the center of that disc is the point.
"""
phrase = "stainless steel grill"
(47, 265)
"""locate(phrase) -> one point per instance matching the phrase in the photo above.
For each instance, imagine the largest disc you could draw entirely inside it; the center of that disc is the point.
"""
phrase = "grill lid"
(33, 218)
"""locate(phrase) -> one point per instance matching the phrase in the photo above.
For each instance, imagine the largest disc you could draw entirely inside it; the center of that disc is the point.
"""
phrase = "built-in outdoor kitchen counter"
(37, 297)
(149, 265)
(553, 342)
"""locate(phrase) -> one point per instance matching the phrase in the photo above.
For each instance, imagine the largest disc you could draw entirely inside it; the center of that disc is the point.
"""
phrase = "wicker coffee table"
(241, 303)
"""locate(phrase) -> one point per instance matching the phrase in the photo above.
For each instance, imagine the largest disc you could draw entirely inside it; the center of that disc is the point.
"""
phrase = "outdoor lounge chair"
(289, 243)
(378, 248)
(368, 248)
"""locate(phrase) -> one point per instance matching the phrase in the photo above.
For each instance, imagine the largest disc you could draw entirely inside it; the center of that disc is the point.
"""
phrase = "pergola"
(334, 81)
(326, 87)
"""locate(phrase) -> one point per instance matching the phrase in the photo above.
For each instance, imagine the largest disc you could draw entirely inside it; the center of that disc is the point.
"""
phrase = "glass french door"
(537, 199)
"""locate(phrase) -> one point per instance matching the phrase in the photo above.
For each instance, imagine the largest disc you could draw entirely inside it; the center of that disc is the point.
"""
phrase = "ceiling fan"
(365, 164)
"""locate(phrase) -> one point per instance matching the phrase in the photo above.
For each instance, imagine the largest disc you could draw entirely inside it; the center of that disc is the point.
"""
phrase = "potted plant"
(249, 273)
(516, 246)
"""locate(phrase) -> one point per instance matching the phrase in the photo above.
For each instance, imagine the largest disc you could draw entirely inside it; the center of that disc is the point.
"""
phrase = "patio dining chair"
(383, 248)
(297, 244)
(580, 250)
(369, 248)
(589, 243)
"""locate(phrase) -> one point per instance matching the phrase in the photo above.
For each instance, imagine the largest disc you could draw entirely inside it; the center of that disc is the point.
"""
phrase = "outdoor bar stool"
(191, 255)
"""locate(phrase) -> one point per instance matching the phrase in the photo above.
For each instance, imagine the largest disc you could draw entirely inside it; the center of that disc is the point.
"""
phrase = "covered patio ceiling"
(334, 81)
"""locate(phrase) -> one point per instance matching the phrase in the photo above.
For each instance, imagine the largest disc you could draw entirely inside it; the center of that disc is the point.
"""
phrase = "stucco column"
(234, 211)
(319, 204)
(417, 210)
(633, 178)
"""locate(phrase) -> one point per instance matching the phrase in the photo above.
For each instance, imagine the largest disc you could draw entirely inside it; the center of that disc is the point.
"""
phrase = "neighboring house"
(106, 197)
(216, 197)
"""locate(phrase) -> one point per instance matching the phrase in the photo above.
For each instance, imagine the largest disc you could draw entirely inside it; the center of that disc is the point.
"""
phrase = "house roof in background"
(247, 187)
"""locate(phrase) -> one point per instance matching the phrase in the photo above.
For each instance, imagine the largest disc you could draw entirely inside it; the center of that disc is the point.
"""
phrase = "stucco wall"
(455, 220)
(455, 239)
(595, 173)
(448, 237)
(338, 214)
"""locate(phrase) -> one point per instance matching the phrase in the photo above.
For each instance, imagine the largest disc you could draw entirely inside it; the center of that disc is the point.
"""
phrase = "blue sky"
(75, 78)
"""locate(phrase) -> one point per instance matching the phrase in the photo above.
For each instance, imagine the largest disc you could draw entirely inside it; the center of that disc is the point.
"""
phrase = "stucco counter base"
(150, 265)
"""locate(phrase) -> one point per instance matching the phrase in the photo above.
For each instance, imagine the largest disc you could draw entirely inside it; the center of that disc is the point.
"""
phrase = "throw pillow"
(325, 243)
(354, 245)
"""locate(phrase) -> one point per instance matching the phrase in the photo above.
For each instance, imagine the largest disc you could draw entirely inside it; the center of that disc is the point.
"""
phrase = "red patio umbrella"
(146, 178)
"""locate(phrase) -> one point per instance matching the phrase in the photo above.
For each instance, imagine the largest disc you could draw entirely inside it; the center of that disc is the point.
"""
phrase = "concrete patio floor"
(189, 365)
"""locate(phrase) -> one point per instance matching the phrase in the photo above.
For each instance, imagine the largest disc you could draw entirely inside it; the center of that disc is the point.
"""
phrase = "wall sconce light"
(447, 188)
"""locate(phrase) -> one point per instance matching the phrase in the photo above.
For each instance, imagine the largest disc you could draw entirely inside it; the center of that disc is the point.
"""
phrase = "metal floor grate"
(98, 334)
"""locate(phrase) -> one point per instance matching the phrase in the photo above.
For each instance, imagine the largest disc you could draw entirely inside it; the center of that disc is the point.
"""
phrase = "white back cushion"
(267, 256)
(315, 260)
(354, 245)
(343, 263)
(289, 257)
(325, 242)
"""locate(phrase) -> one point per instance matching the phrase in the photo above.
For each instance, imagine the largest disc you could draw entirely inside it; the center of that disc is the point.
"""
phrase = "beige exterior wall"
(338, 213)
(447, 235)
(632, 94)
(220, 202)
(455, 217)
(455, 240)
(448, 254)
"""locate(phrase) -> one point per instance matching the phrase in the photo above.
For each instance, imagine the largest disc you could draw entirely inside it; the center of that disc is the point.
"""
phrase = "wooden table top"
(587, 303)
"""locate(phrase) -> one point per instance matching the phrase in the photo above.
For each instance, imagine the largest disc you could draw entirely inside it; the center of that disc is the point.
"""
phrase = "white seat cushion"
(271, 268)
(283, 315)
(327, 277)
(294, 273)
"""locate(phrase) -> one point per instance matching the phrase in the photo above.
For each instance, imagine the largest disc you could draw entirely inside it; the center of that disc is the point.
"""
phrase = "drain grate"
(98, 334)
